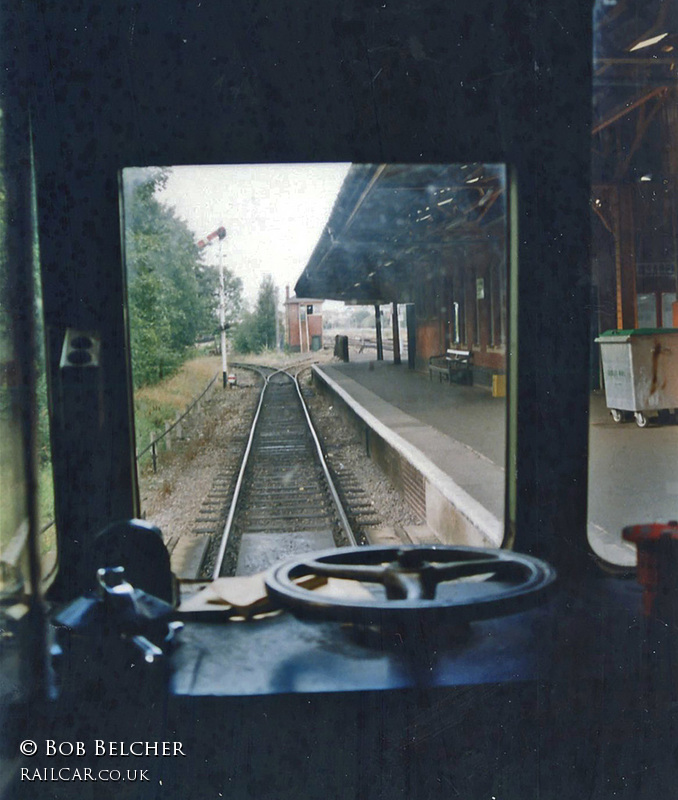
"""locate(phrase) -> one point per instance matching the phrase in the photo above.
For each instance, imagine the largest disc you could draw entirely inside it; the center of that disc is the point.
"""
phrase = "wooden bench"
(452, 365)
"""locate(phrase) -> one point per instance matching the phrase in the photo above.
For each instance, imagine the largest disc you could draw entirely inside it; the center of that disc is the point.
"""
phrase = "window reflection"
(13, 523)
(15, 396)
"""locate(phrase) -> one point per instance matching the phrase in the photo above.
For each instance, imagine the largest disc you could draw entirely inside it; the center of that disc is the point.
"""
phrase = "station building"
(437, 237)
(432, 237)
(635, 171)
(303, 323)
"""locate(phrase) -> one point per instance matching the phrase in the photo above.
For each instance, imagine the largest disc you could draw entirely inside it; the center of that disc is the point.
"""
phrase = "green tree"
(233, 296)
(256, 330)
(246, 335)
(172, 296)
(267, 303)
(208, 279)
(151, 334)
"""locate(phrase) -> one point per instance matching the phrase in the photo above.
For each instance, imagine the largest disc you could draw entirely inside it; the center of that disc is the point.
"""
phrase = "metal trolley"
(640, 368)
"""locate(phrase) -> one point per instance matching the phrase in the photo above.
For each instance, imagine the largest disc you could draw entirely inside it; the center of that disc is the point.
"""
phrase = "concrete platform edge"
(450, 511)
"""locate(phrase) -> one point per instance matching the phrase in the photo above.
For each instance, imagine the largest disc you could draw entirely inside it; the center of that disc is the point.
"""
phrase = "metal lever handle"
(118, 591)
(112, 580)
(148, 650)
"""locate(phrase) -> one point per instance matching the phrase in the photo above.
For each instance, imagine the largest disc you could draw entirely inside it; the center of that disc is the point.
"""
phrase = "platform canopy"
(393, 225)
(634, 83)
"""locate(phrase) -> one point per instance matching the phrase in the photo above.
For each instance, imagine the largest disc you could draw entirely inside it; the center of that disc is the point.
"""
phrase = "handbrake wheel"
(427, 584)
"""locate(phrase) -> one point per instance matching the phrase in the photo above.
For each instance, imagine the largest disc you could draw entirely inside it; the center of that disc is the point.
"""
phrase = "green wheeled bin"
(640, 370)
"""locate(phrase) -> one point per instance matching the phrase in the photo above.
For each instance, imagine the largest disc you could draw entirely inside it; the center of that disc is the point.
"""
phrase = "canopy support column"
(396, 334)
(380, 343)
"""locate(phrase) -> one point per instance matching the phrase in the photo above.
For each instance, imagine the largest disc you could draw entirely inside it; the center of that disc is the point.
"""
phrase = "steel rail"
(238, 485)
(345, 524)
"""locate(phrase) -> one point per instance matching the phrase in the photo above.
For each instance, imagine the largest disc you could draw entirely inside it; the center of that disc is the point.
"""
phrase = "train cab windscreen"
(382, 290)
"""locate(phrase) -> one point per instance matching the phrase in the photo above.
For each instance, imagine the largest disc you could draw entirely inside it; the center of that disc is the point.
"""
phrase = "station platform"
(444, 445)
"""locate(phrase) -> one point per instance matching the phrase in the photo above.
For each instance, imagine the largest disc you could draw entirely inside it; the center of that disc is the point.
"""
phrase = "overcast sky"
(273, 215)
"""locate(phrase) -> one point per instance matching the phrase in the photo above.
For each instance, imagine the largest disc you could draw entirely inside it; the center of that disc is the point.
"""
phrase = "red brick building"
(303, 323)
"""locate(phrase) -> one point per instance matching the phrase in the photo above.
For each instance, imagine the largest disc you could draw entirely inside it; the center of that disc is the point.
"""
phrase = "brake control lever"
(119, 613)
(118, 592)
(148, 650)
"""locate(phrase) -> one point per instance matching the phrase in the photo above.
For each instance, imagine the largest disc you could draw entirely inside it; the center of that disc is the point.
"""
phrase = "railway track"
(284, 500)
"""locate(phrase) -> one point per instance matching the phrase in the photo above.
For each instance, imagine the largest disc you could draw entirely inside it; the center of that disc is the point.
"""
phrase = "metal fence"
(166, 436)
(174, 428)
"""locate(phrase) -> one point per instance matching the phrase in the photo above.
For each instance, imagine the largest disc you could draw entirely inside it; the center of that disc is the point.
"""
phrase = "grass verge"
(155, 405)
